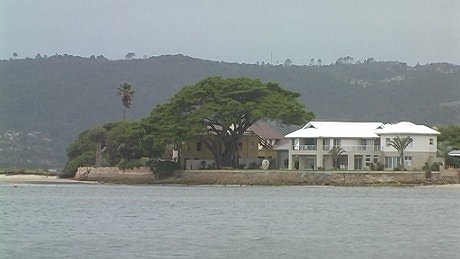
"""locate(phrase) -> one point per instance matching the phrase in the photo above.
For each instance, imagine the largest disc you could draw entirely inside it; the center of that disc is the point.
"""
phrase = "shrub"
(377, 167)
(253, 165)
(85, 159)
(163, 168)
(433, 167)
(130, 164)
(203, 164)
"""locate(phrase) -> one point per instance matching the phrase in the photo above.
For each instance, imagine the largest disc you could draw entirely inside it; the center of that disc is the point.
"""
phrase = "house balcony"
(355, 147)
(304, 147)
(346, 148)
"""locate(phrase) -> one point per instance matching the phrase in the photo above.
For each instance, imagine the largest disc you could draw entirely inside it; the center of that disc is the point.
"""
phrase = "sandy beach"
(29, 178)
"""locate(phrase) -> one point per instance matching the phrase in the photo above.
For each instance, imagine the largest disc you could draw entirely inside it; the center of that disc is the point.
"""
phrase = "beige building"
(258, 143)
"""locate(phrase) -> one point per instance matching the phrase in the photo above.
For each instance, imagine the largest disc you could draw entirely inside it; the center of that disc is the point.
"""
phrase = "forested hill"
(57, 97)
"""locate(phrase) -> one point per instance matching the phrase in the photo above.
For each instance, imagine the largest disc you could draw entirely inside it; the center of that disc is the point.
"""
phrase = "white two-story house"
(364, 145)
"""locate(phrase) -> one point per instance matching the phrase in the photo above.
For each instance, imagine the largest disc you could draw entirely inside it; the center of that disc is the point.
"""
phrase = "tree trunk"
(124, 114)
(98, 154)
(401, 157)
(215, 150)
(230, 155)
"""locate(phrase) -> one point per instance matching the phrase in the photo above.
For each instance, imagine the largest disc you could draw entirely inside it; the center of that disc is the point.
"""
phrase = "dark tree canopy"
(225, 108)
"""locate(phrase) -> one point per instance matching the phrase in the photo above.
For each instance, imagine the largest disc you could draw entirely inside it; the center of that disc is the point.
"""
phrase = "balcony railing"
(304, 147)
(355, 147)
(329, 147)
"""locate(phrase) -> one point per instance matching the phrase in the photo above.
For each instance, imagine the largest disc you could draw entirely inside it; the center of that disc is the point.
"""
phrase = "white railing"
(304, 147)
(355, 147)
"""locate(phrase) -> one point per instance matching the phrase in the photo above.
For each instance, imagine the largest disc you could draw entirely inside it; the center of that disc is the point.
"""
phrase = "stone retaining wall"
(111, 174)
(259, 177)
(269, 177)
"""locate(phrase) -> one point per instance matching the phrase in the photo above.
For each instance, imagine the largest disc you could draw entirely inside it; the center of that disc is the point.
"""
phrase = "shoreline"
(38, 179)
(243, 178)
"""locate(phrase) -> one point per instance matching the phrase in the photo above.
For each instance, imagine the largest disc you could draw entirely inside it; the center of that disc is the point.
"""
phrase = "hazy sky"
(236, 31)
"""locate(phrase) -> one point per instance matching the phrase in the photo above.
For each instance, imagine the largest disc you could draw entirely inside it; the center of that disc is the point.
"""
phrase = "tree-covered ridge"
(61, 96)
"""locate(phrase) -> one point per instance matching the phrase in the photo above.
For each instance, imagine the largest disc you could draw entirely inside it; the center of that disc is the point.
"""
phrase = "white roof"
(405, 127)
(454, 153)
(332, 129)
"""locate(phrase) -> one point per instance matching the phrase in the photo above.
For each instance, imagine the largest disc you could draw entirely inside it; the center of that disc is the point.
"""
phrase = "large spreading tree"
(219, 111)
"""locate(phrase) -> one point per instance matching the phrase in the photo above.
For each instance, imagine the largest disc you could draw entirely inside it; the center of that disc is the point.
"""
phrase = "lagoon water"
(121, 221)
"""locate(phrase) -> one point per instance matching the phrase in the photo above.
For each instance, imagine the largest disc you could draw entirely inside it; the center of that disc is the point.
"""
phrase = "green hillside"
(46, 102)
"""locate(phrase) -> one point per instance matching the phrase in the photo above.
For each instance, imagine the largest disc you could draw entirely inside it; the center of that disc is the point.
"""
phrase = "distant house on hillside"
(364, 145)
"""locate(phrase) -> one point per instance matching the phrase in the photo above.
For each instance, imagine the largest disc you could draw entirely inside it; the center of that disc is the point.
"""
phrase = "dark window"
(199, 146)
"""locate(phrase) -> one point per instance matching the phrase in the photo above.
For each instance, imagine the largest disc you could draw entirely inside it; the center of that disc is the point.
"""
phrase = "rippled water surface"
(116, 221)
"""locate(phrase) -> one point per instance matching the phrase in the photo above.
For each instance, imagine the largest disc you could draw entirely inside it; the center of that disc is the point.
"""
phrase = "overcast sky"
(241, 31)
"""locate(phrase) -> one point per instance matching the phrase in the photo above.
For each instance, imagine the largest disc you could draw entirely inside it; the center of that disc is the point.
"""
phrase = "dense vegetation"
(121, 144)
(449, 140)
(48, 101)
(225, 108)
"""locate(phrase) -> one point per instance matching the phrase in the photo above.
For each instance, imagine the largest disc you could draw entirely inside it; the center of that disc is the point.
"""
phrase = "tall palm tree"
(127, 93)
(400, 144)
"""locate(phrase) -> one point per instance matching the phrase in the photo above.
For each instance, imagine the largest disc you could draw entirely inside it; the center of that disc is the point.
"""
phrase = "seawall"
(115, 174)
(269, 177)
(261, 177)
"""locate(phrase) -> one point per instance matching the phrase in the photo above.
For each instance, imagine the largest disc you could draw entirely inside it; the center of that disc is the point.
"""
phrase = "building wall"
(421, 143)
(418, 158)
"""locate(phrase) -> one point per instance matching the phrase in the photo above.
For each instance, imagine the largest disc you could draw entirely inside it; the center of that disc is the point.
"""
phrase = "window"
(392, 161)
(407, 161)
(310, 141)
(240, 145)
(251, 145)
(336, 142)
(368, 160)
(358, 162)
(431, 141)
(326, 144)
(199, 146)
(376, 159)
(376, 142)
(296, 144)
